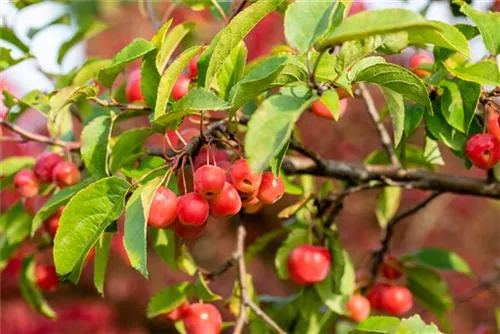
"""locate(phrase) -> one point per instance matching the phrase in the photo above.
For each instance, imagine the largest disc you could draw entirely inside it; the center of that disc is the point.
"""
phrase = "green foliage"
(387, 205)
(164, 243)
(94, 146)
(167, 300)
(294, 239)
(7, 60)
(436, 258)
(127, 144)
(30, 291)
(484, 72)
(81, 35)
(392, 325)
(15, 226)
(10, 166)
(170, 43)
(101, 260)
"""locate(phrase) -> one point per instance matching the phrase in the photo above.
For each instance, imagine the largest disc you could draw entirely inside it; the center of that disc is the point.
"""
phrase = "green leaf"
(396, 105)
(161, 34)
(8, 35)
(447, 36)
(89, 70)
(261, 242)
(331, 99)
(185, 262)
(198, 99)
(487, 24)
(232, 70)
(439, 259)
(399, 80)
(146, 165)
(138, 48)
(413, 117)
(355, 51)
(213, 58)
(164, 242)
(326, 68)
(69, 95)
(11, 165)
(415, 324)
(169, 77)
(81, 35)
(270, 128)
(428, 287)
(150, 79)
(387, 205)
(101, 260)
(83, 220)
(94, 140)
(412, 157)
(167, 299)
(347, 76)
(440, 130)
(484, 72)
(295, 238)
(6, 59)
(128, 143)
(467, 30)
(377, 325)
(202, 291)
(16, 225)
(30, 291)
(55, 202)
(306, 21)
(170, 43)
(453, 104)
(271, 73)
(136, 218)
(431, 153)
(277, 161)
(375, 22)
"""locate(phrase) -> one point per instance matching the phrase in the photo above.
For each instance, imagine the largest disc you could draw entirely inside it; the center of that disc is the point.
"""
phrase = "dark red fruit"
(52, 223)
(202, 319)
(193, 209)
(396, 300)
(188, 232)
(271, 188)
(163, 210)
(418, 60)
(309, 264)
(133, 88)
(226, 204)
(243, 178)
(209, 181)
(26, 183)
(46, 277)
(178, 313)
(193, 67)
(483, 150)
(391, 268)
(181, 87)
(358, 307)
(66, 174)
(45, 164)
(375, 295)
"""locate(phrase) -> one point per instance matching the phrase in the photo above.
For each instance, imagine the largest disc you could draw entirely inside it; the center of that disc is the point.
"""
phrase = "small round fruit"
(193, 209)
(66, 174)
(396, 300)
(375, 295)
(45, 164)
(178, 313)
(418, 60)
(309, 264)
(243, 178)
(46, 277)
(253, 206)
(358, 307)
(26, 183)
(52, 223)
(163, 210)
(133, 88)
(247, 197)
(188, 232)
(209, 181)
(271, 188)
(225, 204)
(202, 319)
(391, 268)
(320, 109)
(181, 87)
(483, 150)
(494, 123)
(193, 67)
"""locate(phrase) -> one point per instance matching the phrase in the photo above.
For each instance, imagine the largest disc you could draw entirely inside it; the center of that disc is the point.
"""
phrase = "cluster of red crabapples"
(217, 192)
(311, 265)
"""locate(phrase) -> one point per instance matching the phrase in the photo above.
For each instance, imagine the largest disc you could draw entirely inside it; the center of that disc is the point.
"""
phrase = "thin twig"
(29, 136)
(220, 10)
(384, 135)
(211, 275)
(152, 15)
(239, 9)
(123, 106)
(378, 256)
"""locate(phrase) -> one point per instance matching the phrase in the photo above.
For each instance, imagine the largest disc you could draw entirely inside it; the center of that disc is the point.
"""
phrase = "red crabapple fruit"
(26, 183)
(225, 204)
(209, 181)
(45, 164)
(271, 188)
(309, 264)
(483, 150)
(163, 210)
(193, 209)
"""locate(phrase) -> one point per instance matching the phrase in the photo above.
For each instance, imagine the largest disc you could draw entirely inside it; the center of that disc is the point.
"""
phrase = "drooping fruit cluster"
(198, 318)
(309, 264)
(393, 299)
(218, 192)
(483, 150)
(46, 277)
(416, 62)
(49, 168)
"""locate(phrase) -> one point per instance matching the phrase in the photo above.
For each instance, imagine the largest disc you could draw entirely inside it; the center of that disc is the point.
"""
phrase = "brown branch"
(378, 256)
(123, 106)
(384, 135)
(211, 275)
(239, 9)
(29, 136)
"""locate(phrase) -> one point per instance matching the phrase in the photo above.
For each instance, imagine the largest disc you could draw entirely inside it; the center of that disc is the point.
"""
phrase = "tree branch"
(384, 135)
(29, 136)
(123, 106)
(239, 9)
(378, 256)
(152, 15)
